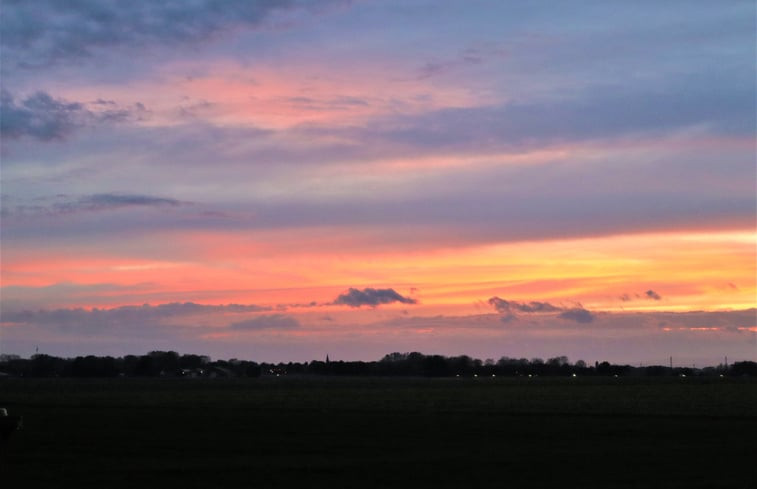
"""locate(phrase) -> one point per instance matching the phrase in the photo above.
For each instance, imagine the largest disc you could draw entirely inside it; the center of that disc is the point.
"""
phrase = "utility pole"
(671, 362)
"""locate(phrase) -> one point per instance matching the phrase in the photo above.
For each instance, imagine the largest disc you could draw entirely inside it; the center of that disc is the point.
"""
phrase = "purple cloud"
(505, 306)
(509, 310)
(577, 314)
(371, 297)
(42, 117)
(651, 294)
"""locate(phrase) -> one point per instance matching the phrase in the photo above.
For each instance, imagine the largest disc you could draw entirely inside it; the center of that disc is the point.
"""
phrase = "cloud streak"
(591, 114)
(65, 205)
(98, 202)
(511, 309)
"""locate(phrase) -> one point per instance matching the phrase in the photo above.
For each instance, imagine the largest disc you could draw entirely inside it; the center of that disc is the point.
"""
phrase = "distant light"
(574, 375)
(683, 375)
(529, 375)
(721, 375)
(475, 375)
(458, 375)
(493, 375)
(616, 375)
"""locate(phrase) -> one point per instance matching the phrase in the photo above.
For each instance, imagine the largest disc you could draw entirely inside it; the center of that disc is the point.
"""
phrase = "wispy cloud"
(503, 305)
(64, 204)
(42, 117)
(114, 201)
(649, 294)
(510, 310)
(593, 113)
(468, 57)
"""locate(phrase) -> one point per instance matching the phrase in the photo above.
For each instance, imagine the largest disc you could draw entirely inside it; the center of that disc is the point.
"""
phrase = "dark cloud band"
(122, 316)
(40, 33)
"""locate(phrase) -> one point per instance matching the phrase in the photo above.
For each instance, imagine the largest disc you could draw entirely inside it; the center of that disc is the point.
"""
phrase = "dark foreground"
(362, 433)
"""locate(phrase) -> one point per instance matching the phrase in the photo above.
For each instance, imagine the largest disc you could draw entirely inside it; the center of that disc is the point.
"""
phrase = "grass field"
(334, 432)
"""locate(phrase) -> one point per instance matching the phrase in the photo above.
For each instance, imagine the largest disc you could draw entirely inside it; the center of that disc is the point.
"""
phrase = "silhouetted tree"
(146, 367)
(46, 365)
(191, 361)
(166, 362)
(744, 368)
(394, 357)
(653, 370)
(252, 370)
(170, 363)
(92, 366)
(436, 366)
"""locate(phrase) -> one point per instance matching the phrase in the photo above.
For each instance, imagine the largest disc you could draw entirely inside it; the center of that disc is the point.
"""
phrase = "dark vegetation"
(172, 364)
(371, 432)
(409, 420)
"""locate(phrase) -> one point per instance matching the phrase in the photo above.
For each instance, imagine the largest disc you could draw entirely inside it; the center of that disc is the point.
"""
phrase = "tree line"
(172, 364)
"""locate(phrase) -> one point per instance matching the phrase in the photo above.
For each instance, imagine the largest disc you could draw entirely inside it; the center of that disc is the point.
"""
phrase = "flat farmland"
(382, 432)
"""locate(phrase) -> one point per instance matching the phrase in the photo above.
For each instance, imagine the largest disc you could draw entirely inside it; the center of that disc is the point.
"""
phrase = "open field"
(335, 432)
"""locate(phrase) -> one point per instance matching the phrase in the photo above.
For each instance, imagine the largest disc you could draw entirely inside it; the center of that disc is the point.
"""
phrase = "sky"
(284, 179)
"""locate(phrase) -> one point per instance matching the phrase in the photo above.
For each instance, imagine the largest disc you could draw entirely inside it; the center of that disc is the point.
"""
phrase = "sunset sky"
(280, 180)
